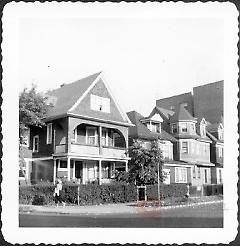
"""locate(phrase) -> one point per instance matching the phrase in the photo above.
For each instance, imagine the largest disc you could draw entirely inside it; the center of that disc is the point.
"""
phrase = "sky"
(143, 59)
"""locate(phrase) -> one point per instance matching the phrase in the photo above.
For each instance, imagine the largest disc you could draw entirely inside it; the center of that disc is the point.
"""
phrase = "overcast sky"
(143, 59)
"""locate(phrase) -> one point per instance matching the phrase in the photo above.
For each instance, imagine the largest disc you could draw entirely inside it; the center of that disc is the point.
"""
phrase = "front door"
(79, 170)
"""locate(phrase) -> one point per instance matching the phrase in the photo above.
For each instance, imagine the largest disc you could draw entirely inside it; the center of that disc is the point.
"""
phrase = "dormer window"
(154, 127)
(202, 130)
(101, 104)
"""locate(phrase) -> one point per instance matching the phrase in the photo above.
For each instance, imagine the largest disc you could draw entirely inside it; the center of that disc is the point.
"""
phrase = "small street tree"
(144, 164)
(32, 108)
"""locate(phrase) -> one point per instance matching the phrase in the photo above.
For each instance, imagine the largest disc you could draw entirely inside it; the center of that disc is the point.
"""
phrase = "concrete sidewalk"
(120, 208)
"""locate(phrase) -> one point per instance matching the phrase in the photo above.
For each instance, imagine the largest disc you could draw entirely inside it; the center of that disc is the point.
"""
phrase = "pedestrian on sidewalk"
(188, 191)
(57, 193)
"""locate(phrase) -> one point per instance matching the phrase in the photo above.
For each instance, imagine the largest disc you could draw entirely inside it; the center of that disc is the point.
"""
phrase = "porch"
(85, 170)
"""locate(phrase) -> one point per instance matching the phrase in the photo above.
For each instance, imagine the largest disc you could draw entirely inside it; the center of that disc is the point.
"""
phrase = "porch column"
(54, 170)
(68, 168)
(100, 140)
(100, 172)
(126, 166)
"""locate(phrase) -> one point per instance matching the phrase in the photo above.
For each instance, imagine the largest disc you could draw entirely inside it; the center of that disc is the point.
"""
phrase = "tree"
(144, 163)
(33, 108)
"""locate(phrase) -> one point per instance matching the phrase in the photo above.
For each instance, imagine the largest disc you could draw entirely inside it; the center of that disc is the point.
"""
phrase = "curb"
(29, 209)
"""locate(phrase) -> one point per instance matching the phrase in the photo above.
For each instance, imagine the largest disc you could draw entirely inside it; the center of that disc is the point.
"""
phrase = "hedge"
(213, 189)
(171, 190)
(88, 194)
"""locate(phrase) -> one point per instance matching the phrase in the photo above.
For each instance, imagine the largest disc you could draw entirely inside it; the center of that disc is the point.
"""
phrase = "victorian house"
(215, 133)
(147, 129)
(86, 134)
(192, 146)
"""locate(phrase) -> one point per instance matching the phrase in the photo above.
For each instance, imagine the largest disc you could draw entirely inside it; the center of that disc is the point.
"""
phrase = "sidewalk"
(119, 208)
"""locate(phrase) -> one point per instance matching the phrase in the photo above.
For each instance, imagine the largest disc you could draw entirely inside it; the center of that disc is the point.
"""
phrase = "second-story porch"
(95, 145)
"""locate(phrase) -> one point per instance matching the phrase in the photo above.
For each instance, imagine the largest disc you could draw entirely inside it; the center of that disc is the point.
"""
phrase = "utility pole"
(158, 184)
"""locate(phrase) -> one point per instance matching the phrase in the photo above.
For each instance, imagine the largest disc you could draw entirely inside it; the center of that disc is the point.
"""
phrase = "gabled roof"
(142, 132)
(166, 113)
(68, 98)
(182, 114)
(67, 95)
(213, 138)
(214, 127)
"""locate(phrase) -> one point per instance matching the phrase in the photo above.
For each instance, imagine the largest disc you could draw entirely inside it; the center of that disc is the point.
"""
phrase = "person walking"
(57, 193)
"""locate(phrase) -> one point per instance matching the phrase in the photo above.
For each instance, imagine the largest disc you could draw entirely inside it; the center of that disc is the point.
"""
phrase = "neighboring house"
(206, 101)
(215, 133)
(192, 146)
(147, 129)
(86, 134)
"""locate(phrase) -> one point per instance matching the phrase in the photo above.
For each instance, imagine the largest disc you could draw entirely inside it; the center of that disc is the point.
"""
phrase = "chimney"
(62, 85)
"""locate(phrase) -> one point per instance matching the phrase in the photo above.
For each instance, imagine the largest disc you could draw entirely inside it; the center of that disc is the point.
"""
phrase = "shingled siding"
(84, 108)
(44, 148)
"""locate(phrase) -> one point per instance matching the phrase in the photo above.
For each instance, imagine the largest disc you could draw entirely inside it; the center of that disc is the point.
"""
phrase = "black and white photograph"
(120, 122)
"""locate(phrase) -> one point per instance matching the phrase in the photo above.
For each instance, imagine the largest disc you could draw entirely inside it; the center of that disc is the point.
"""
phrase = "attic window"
(100, 103)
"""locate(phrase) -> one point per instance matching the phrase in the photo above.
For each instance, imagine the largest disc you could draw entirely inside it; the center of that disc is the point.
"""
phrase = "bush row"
(214, 189)
(84, 194)
(172, 190)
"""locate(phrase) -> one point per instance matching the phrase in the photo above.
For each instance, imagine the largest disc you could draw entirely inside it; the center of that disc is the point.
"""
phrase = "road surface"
(207, 216)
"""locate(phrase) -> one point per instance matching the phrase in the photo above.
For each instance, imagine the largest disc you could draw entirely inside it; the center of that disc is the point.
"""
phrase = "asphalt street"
(201, 216)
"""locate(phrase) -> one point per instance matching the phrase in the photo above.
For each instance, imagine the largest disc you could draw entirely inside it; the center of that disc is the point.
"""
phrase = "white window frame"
(49, 133)
(101, 104)
(180, 174)
(187, 147)
(220, 152)
(202, 130)
(95, 136)
(36, 137)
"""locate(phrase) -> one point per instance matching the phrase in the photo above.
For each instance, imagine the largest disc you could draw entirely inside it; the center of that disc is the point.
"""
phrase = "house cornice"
(99, 120)
(87, 118)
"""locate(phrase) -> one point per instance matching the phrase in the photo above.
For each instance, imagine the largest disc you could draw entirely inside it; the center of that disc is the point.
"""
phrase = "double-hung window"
(104, 137)
(181, 175)
(91, 137)
(184, 147)
(36, 143)
(49, 133)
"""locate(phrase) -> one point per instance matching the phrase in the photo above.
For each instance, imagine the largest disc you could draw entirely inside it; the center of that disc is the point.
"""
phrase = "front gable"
(99, 103)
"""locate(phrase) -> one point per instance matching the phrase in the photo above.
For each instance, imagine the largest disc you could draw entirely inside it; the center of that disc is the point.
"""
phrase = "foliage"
(32, 109)
(213, 189)
(144, 163)
(88, 194)
(171, 190)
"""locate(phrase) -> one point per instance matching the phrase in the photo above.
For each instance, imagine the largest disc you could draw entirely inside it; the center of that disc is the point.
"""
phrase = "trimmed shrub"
(213, 189)
(89, 194)
(171, 190)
